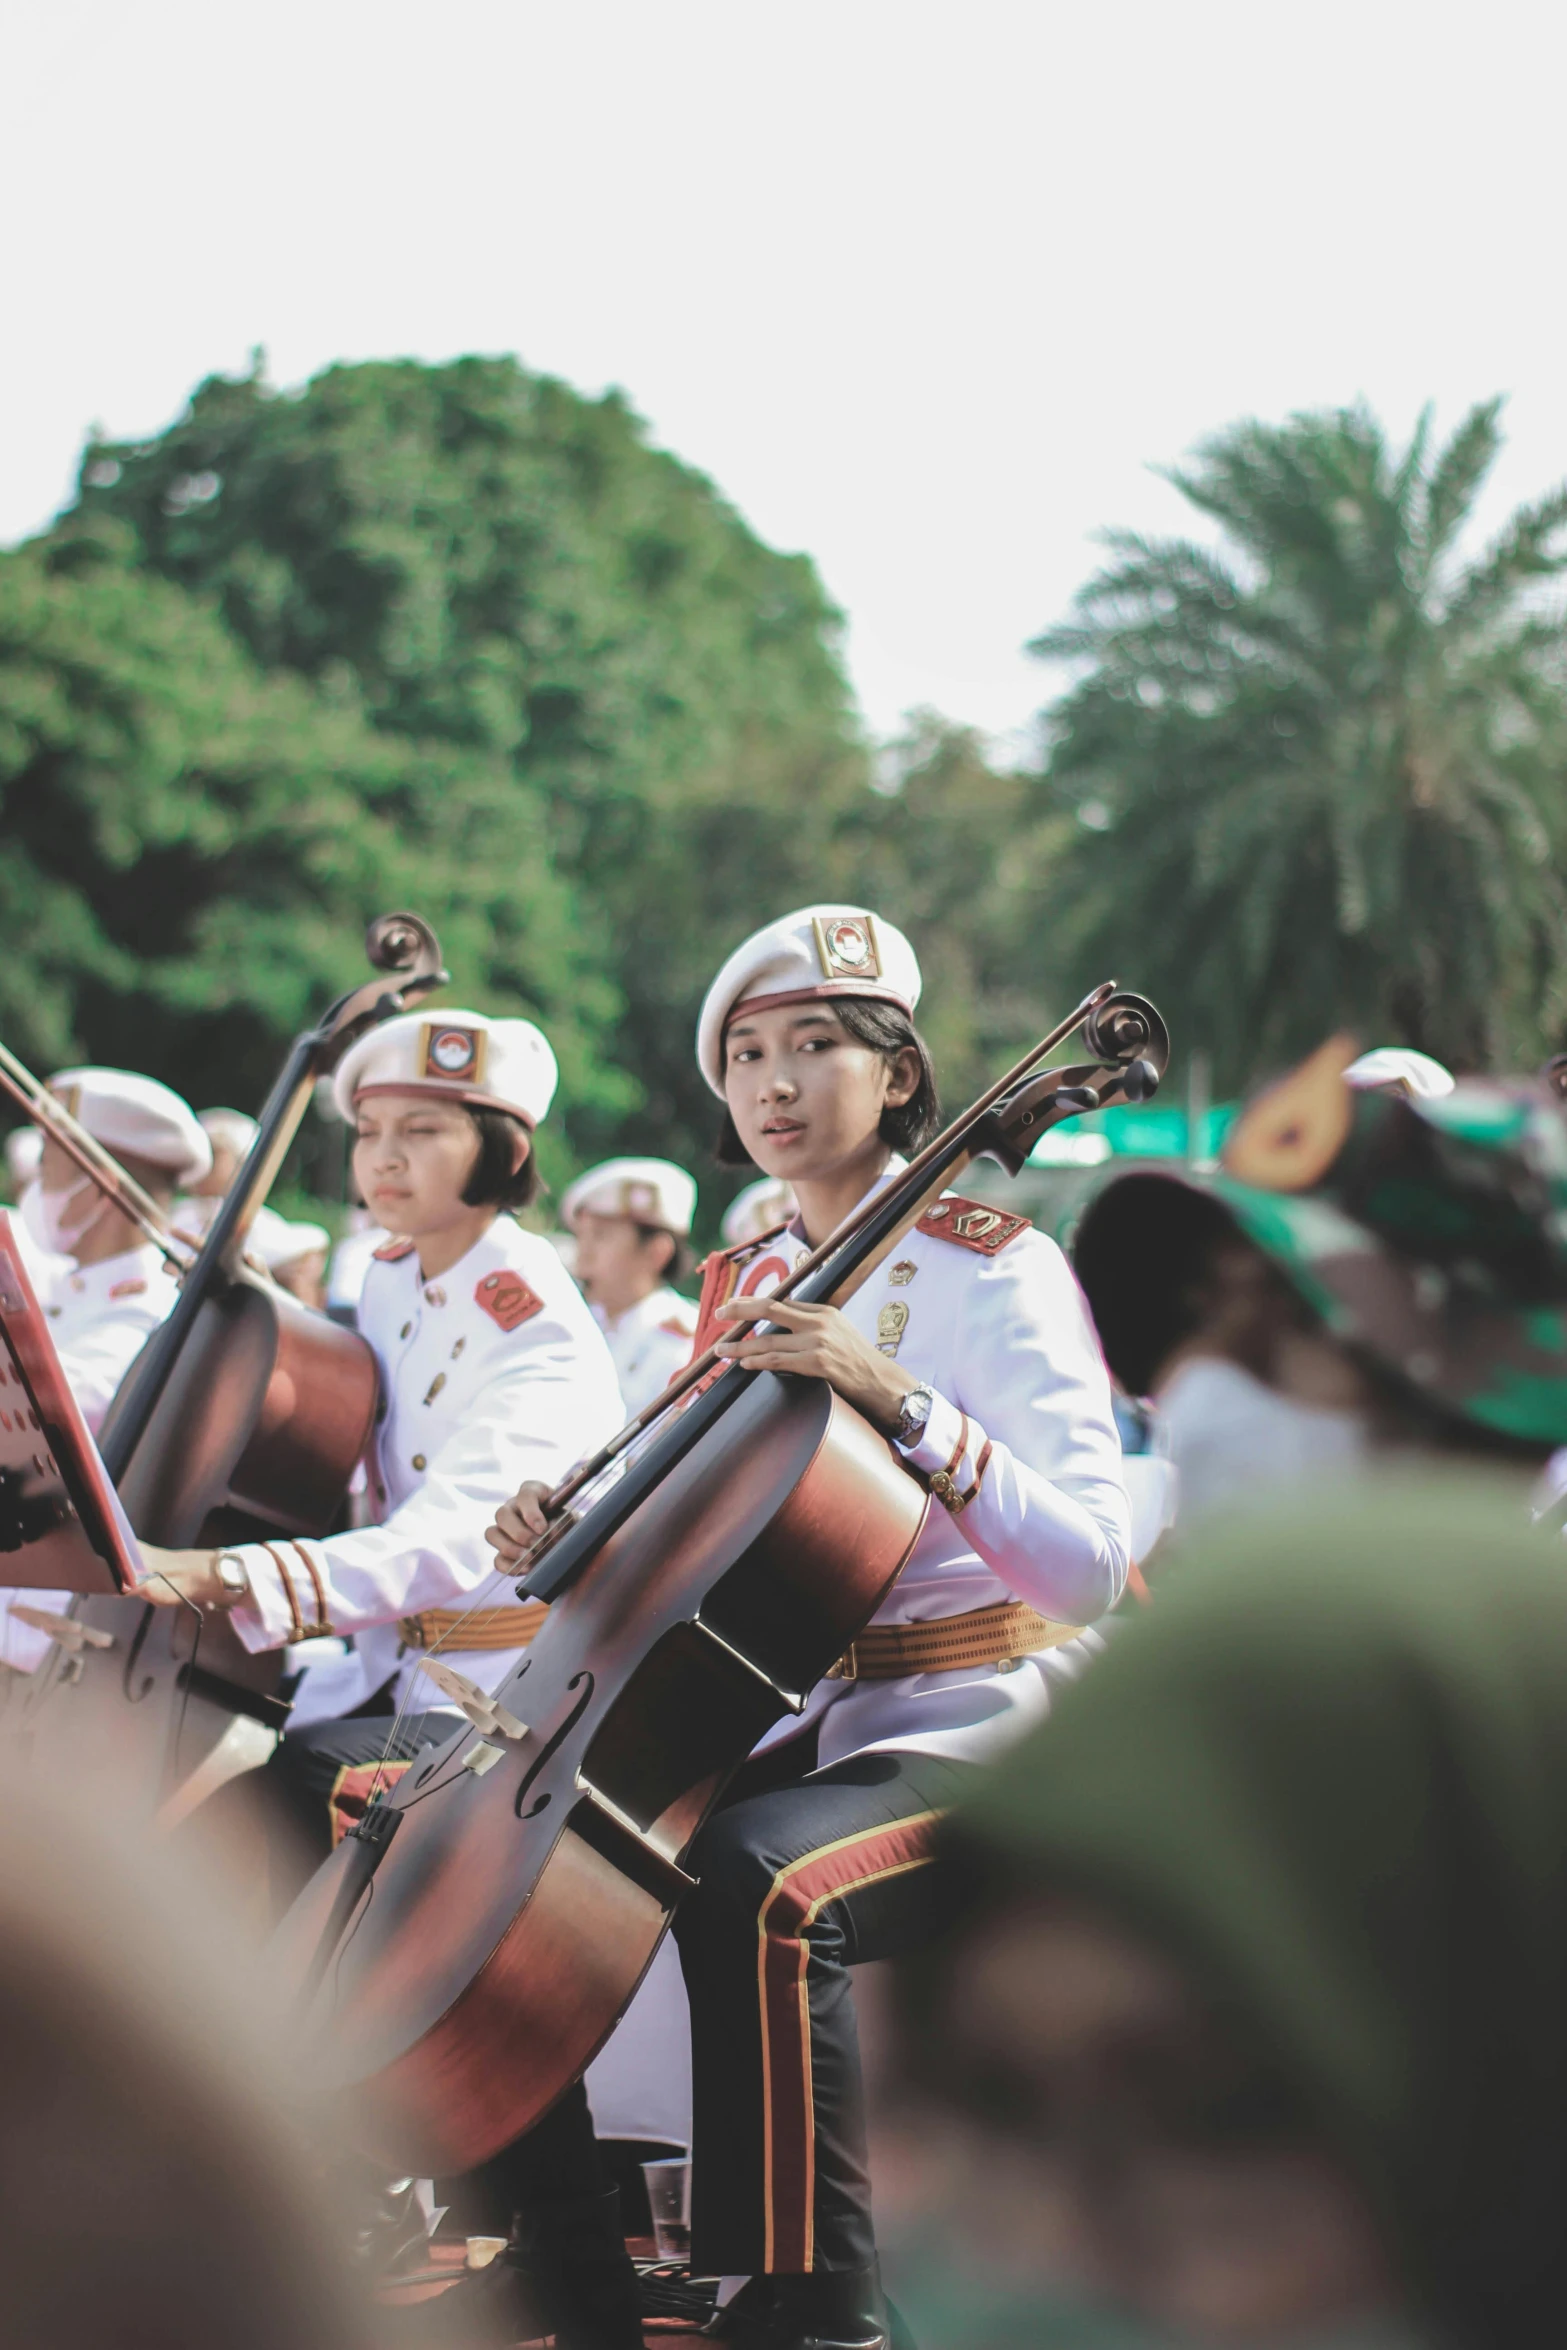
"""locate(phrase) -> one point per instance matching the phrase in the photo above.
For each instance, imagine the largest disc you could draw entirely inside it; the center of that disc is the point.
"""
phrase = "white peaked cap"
(136, 1117)
(277, 1242)
(820, 951)
(760, 1208)
(1394, 1065)
(232, 1130)
(24, 1147)
(650, 1191)
(459, 1056)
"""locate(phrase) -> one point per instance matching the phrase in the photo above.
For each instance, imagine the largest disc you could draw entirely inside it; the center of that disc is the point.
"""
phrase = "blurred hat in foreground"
(456, 1056)
(1429, 1232)
(1395, 1065)
(1327, 1775)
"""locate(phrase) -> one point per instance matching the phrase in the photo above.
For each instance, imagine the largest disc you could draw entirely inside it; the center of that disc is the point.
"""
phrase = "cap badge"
(640, 1200)
(454, 1054)
(846, 946)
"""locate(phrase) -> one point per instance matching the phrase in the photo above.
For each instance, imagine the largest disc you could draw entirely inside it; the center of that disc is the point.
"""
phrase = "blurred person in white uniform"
(762, 1207)
(230, 1133)
(24, 1150)
(108, 1289)
(631, 1219)
(349, 1266)
(295, 1254)
(117, 1288)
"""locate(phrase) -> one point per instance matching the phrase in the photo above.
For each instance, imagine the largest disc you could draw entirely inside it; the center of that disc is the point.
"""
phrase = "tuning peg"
(1139, 1081)
(1075, 1097)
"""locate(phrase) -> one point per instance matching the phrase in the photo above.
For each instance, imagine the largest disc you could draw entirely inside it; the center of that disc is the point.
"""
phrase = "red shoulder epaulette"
(390, 1250)
(721, 1278)
(972, 1225)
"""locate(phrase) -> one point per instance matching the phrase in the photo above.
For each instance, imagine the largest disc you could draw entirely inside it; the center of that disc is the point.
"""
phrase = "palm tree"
(1319, 770)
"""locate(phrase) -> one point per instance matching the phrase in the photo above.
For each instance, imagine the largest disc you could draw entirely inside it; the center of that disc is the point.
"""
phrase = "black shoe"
(486, 2309)
(576, 2263)
(831, 2309)
(565, 2272)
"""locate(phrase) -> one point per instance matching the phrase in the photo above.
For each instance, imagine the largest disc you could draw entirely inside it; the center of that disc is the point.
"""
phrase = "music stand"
(61, 1524)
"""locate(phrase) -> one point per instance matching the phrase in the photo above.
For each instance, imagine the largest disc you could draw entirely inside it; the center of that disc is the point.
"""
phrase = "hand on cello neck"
(816, 1342)
(518, 1524)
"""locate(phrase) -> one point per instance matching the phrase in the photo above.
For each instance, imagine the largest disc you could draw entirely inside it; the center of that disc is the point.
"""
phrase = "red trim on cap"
(445, 1092)
(824, 987)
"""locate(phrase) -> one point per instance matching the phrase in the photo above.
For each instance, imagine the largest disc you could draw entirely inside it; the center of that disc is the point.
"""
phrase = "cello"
(245, 1414)
(474, 1939)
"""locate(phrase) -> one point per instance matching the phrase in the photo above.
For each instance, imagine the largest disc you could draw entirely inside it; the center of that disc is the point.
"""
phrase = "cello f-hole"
(553, 1744)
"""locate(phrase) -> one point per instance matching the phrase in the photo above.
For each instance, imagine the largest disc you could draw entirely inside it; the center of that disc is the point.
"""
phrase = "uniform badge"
(891, 1323)
(846, 946)
(972, 1225)
(902, 1273)
(455, 1054)
(507, 1299)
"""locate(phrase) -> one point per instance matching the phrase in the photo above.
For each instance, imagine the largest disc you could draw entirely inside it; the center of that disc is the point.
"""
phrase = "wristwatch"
(912, 1418)
(234, 1576)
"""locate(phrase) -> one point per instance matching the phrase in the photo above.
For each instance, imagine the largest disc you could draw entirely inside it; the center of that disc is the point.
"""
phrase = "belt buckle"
(847, 1667)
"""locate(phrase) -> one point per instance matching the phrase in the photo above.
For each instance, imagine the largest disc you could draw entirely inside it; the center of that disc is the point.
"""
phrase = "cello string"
(477, 1604)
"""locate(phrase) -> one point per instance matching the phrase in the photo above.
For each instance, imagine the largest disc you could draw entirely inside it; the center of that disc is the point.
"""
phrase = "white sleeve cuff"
(263, 1618)
(938, 1438)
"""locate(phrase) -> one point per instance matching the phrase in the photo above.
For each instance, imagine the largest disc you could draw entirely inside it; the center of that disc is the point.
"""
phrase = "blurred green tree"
(1318, 769)
(482, 557)
(958, 850)
(193, 847)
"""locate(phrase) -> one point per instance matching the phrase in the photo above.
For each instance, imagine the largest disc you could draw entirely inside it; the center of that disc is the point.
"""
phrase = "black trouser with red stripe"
(800, 1877)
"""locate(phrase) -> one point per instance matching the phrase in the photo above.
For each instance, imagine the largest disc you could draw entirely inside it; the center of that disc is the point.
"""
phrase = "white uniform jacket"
(985, 1311)
(649, 1343)
(492, 1374)
(100, 1317)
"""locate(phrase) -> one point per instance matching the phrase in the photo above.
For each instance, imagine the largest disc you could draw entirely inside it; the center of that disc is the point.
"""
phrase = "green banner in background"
(1156, 1131)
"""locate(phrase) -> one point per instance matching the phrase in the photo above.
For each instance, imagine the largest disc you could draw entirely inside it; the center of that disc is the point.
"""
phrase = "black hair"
(495, 1182)
(888, 1031)
(678, 1267)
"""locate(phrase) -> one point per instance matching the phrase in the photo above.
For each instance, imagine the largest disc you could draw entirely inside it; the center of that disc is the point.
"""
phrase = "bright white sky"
(926, 289)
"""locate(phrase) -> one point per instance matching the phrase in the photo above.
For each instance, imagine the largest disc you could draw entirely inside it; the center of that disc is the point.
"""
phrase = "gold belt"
(996, 1635)
(480, 1627)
